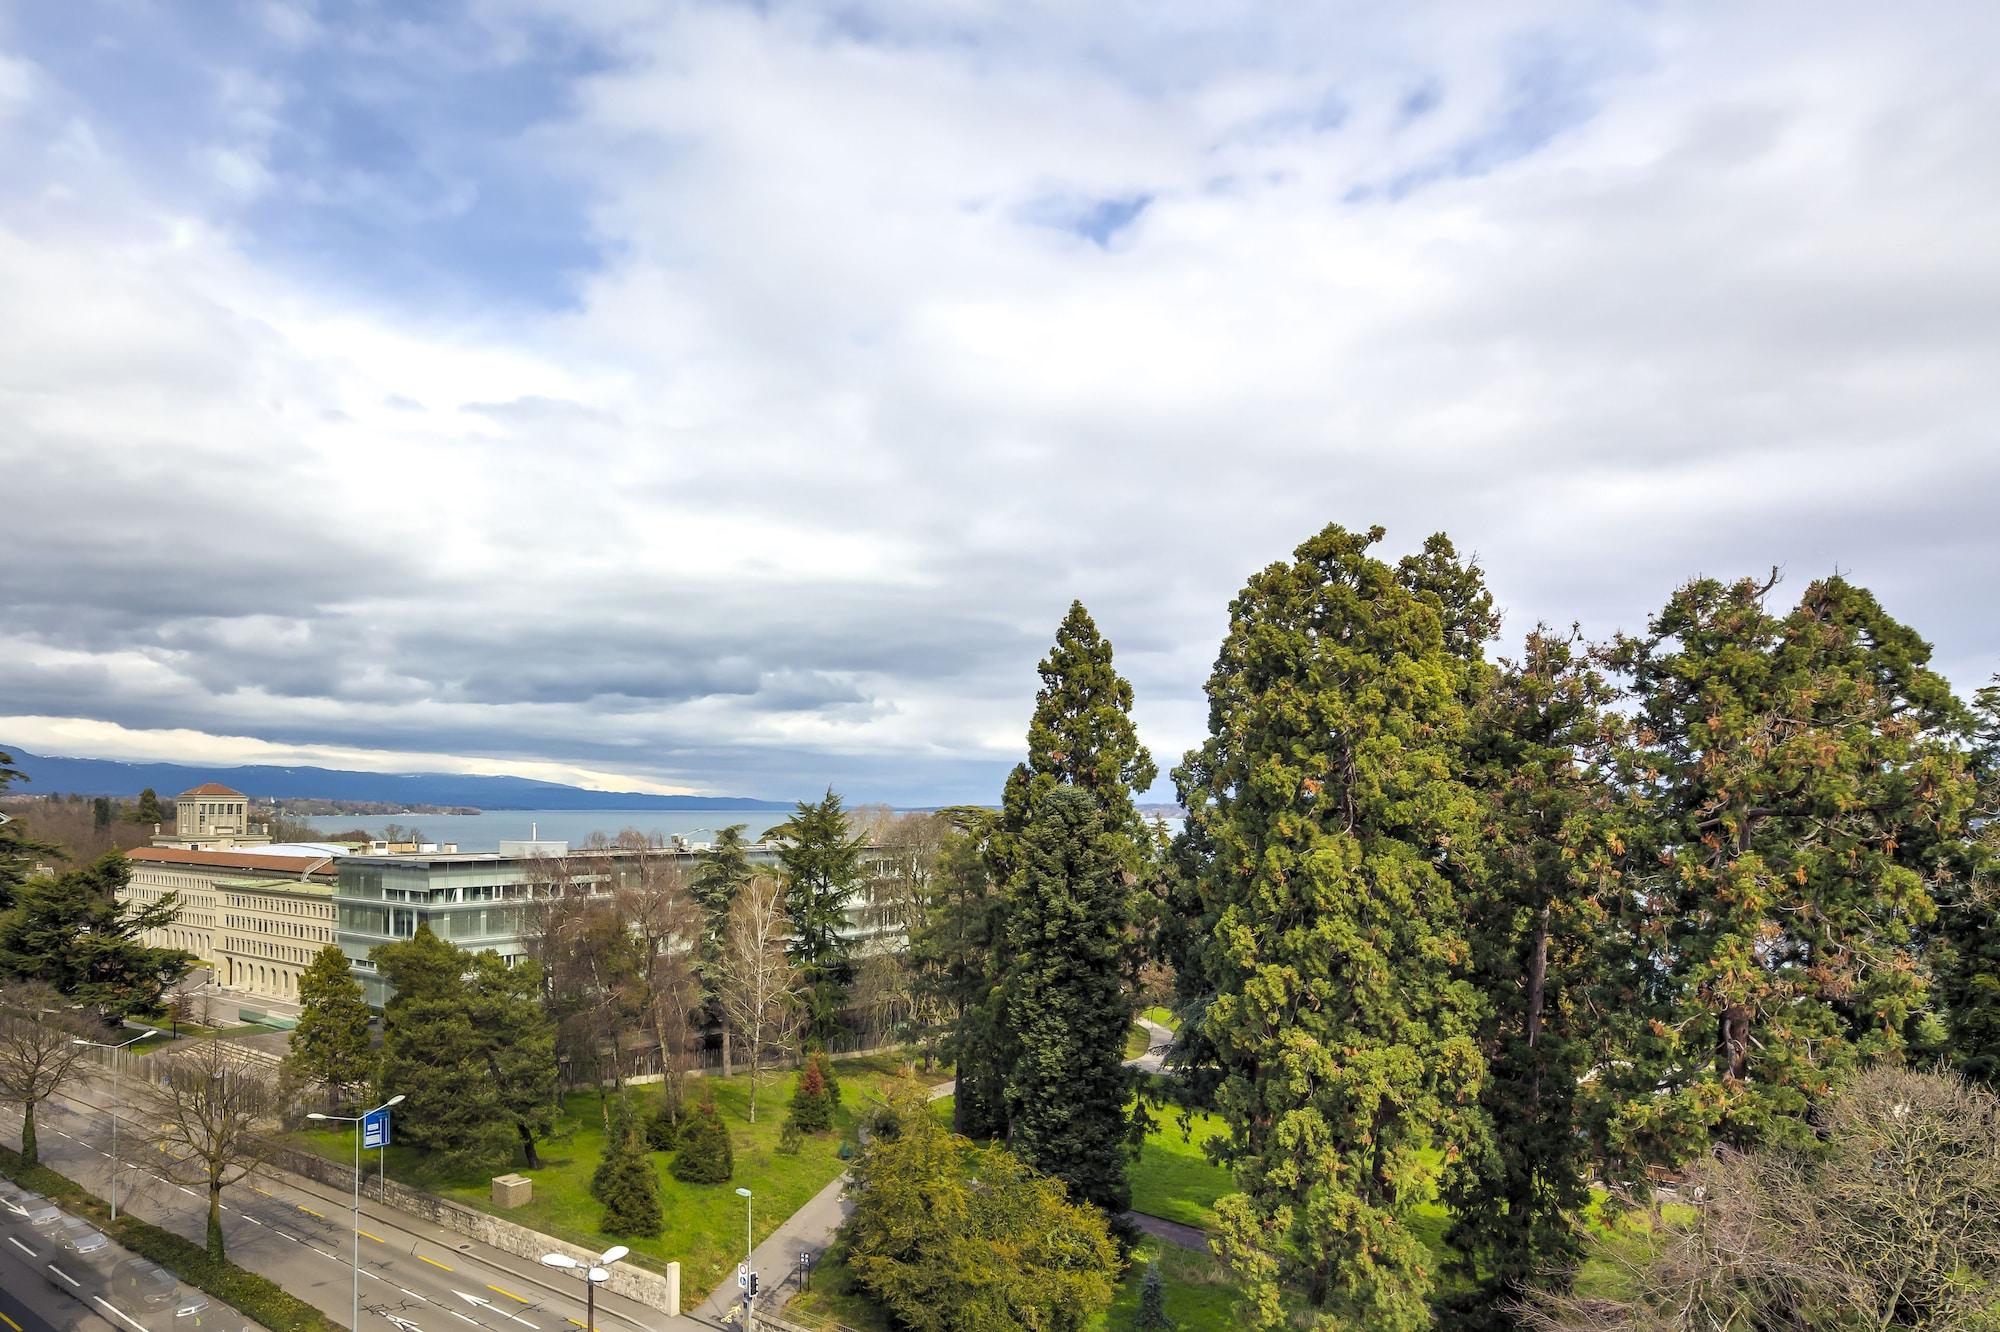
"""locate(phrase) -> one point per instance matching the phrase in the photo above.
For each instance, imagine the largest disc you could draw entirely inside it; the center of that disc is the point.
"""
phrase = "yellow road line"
(433, 1262)
(522, 1299)
(17, 1327)
(377, 1238)
(309, 1211)
(571, 1321)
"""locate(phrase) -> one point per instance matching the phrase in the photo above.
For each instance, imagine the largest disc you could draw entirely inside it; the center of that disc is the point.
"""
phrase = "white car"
(79, 1236)
(41, 1213)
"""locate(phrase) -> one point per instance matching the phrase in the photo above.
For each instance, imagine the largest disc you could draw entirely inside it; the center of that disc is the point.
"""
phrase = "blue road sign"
(375, 1129)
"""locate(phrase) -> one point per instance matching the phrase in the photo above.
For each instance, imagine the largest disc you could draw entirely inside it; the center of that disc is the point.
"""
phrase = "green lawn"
(1137, 1041)
(1172, 1178)
(704, 1222)
(1199, 1291)
(1164, 1016)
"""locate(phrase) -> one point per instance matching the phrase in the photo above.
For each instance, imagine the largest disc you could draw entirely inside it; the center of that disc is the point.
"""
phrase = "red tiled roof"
(235, 860)
(209, 789)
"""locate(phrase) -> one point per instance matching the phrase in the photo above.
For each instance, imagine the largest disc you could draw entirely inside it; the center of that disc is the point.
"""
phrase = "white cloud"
(799, 485)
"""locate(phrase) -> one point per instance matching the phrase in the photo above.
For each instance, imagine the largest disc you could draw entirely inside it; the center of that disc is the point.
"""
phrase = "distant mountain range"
(109, 777)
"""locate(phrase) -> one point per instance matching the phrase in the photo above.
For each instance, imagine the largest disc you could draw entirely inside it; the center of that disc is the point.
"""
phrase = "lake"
(485, 830)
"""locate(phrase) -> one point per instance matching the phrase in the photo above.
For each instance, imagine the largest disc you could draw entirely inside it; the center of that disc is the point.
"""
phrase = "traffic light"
(753, 1285)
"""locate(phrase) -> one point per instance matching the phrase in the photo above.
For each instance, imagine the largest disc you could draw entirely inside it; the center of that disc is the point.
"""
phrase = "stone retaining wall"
(627, 1279)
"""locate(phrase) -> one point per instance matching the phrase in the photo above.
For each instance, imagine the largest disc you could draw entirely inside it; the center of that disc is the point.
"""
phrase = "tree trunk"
(1538, 976)
(30, 1154)
(528, 1144)
(214, 1220)
(1736, 1041)
(728, 1068)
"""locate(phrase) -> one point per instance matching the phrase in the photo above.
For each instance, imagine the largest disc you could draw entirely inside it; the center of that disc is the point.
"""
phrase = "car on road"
(79, 1236)
(146, 1282)
(192, 1304)
(41, 1213)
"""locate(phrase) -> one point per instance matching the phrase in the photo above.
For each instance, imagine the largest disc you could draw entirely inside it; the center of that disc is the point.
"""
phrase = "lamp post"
(592, 1274)
(355, 1316)
(117, 1099)
(749, 1291)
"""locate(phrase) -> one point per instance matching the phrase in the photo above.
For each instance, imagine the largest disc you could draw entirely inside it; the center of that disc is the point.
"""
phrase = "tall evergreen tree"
(720, 872)
(1808, 781)
(517, 1045)
(957, 957)
(432, 1054)
(330, 1046)
(1545, 743)
(73, 933)
(148, 809)
(1967, 948)
(1343, 1024)
(822, 867)
(1064, 1004)
(1081, 738)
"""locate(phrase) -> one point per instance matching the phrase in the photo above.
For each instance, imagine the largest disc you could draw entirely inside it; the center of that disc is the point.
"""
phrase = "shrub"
(812, 1102)
(791, 1137)
(706, 1156)
(663, 1128)
(1153, 1302)
(823, 1061)
(631, 1194)
(618, 1135)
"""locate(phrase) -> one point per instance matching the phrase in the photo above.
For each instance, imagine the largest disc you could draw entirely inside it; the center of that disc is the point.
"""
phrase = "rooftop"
(210, 789)
(234, 860)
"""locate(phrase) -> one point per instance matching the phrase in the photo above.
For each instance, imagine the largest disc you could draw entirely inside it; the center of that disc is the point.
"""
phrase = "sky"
(731, 398)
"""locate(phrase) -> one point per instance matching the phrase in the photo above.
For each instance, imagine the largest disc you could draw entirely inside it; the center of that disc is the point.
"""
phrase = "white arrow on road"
(402, 1323)
(485, 1303)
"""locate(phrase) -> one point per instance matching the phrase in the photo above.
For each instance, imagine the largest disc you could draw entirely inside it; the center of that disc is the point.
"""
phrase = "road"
(46, 1289)
(414, 1278)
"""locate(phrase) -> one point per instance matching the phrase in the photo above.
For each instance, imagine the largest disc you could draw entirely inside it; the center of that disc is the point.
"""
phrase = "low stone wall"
(627, 1279)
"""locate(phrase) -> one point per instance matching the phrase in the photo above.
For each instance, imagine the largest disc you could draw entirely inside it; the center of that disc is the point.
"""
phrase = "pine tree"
(1342, 1025)
(829, 1077)
(149, 810)
(518, 1046)
(822, 867)
(432, 1054)
(1153, 1302)
(72, 932)
(1064, 1004)
(330, 1047)
(1808, 783)
(706, 1155)
(1545, 742)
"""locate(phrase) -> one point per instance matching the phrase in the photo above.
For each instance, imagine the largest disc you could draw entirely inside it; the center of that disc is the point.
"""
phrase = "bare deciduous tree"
(38, 1046)
(666, 926)
(758, 980)
(1890, 1225)
(209, 1103)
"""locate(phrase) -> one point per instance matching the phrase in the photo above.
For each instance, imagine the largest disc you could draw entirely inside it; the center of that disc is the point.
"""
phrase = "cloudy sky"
(732, 397)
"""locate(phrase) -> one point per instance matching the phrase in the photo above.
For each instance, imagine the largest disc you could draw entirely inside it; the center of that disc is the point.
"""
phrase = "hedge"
(252, 1295)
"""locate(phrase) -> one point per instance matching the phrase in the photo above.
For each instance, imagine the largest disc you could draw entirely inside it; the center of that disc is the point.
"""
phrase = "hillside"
(48, 775)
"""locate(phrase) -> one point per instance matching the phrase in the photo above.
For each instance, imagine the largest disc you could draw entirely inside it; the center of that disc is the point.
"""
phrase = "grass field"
(1164, 1016)
(704, 1222)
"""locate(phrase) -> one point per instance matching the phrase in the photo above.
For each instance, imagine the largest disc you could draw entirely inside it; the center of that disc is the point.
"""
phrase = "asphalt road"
(414, 1277)
(43, 1288)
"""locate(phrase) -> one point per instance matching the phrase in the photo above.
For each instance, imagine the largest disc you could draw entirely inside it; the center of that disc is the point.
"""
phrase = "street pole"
(357, 1120)
(592, 1274)
(117, 1099)
(749, 1295)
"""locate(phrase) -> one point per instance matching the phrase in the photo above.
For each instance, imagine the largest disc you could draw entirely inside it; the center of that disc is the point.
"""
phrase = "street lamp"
(749, 1291)
(397, 1099)
(117, 1098)
(592, 1274)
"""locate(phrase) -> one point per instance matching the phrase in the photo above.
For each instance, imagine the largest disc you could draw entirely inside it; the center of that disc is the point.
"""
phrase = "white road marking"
(462, 1318)
(65, 1276)
(120, 1312)
(22, 1247)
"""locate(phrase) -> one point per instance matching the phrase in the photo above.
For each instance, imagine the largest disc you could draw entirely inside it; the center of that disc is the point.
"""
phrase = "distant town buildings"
(258, 912)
